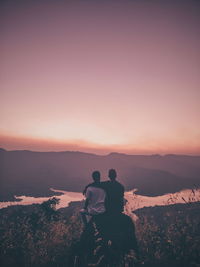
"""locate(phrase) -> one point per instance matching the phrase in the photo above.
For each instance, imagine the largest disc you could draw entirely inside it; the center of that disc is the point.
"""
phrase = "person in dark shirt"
(114, 194)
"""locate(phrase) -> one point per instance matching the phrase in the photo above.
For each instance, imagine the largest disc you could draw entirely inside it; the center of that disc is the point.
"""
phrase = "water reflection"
(134, 201)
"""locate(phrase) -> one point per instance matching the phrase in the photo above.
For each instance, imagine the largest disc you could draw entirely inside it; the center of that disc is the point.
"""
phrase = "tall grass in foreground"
(40, 236)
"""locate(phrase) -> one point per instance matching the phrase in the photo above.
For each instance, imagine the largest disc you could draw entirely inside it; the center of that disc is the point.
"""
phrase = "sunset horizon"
(11, 143)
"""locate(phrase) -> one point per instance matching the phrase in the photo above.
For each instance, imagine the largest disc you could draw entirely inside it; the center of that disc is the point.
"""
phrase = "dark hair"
(112, 174)
(96, 176)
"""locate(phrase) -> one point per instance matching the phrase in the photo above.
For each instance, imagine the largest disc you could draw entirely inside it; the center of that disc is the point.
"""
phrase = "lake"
(134, 201)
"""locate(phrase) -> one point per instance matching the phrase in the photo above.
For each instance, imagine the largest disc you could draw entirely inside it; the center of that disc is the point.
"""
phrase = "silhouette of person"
(106, 199)
(95, 198)
(114, 193)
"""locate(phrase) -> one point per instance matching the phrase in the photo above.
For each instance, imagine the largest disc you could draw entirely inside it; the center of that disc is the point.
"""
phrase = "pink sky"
(100, 76)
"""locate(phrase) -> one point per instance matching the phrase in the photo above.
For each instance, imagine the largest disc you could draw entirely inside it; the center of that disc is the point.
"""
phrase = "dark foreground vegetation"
(38, 235)
(170, 236)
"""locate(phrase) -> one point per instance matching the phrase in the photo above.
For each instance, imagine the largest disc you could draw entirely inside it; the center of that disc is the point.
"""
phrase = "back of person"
(114, 194)
(96, 200)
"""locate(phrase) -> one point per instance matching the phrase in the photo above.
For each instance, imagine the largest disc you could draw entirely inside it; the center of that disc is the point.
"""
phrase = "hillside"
(39, 236)
(33, 173)
(169, 235)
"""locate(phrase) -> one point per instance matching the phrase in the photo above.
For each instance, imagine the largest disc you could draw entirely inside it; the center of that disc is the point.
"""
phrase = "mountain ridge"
(109, 154)
(33, 173)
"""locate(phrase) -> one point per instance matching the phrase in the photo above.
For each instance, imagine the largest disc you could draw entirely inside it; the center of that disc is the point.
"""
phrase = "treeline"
(39, 235)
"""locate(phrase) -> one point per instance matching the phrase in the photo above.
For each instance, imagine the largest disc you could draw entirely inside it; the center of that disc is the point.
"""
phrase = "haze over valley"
(34, 173)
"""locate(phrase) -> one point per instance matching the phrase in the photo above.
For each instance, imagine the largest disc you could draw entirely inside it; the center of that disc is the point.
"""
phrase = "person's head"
(112, 174)
(96, 176)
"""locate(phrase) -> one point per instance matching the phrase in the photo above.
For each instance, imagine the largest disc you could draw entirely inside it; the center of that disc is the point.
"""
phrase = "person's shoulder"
(120, 187)
(89, 185)
(94, 185)
(95, 189)
(119, 184)
(89, 189)
(104, 185)
(105, 182)
(86, 188)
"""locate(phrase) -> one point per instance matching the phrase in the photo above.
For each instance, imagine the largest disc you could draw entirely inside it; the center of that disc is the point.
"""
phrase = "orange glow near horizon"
(45, 145)
(100, 76)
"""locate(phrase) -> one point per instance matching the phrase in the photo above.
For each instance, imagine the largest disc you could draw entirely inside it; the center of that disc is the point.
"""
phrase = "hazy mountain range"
(33, 173)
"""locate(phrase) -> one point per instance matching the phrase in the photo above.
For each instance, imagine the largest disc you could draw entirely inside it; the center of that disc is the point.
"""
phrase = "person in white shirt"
(95, 198)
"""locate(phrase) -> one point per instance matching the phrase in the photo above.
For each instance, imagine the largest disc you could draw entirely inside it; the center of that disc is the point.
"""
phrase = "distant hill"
(33, 173)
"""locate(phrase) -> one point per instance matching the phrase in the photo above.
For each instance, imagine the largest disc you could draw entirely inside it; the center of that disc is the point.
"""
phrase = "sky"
(100, 76)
